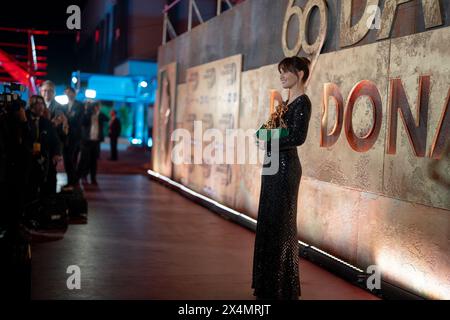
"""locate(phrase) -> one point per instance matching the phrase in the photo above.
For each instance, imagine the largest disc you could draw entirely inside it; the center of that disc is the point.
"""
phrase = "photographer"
(46, 148)
(55, 113)
(3, 159)
(17, 160)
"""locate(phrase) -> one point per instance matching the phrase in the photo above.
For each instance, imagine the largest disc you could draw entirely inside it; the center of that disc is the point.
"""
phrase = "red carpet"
(144, 241)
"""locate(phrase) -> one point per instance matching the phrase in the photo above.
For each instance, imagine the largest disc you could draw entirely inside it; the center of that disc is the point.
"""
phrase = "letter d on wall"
(349, 34)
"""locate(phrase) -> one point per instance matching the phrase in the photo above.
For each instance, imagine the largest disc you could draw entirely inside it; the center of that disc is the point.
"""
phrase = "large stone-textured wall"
(372, 207)
(254, 29)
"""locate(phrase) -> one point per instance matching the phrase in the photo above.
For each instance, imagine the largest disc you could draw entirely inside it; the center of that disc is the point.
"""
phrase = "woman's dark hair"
(295, 64)
(33, 99)
(292, 64)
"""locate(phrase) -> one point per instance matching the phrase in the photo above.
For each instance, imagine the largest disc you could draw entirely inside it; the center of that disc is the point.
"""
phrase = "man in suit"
(45, 146)
(46, 151)
(55, 113)
(114, 133)
(71, 148)
(91, 136)
(47, 91)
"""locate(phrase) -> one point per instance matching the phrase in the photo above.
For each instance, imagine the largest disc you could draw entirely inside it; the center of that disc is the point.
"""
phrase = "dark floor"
(144, 241)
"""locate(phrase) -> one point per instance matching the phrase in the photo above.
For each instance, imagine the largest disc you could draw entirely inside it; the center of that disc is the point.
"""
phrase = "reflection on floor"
(144, 241)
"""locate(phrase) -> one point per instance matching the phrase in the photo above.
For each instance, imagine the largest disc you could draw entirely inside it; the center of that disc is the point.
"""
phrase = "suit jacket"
(75, 118)
(86, 126)
(115, 128)
(48, 138)
(55, 108)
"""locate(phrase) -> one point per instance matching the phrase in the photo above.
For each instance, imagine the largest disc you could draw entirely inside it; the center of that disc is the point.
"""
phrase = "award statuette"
(267, 135)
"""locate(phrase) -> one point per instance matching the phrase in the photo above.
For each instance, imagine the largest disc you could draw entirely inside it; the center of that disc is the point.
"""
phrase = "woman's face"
(289, 79)
(38, 107)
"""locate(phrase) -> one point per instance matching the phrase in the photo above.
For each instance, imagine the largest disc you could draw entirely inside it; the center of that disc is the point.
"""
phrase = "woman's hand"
(56, 159)
(60, 119)
(21, 115)
(46, 113)
(65, 123)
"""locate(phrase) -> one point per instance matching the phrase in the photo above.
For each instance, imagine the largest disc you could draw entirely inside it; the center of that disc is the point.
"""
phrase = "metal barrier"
(21, 60)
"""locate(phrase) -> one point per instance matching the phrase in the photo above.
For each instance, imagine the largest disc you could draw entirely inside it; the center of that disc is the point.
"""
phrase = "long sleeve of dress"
(298, 125)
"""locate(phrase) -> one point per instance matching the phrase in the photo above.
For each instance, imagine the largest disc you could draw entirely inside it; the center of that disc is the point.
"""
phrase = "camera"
(10, 99)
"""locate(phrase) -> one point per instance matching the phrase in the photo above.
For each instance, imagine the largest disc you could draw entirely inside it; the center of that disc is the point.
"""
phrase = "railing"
(23, 64)
(167, 25)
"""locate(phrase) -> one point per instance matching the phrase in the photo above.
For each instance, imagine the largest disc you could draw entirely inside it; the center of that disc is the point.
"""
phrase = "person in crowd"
(55, 113)
(15, 159)
(45, 148)
(71, 147)
(114, 133)
(16, 163)
(48, 92)
(91, 136)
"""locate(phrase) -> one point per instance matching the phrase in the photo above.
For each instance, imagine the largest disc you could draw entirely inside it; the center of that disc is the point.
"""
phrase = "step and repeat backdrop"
(375, 188)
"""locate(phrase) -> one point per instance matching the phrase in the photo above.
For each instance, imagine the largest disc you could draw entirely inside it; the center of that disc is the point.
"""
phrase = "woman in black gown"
(276, 254)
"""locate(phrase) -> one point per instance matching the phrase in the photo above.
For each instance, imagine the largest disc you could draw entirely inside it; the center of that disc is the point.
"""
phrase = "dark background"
(44, 15)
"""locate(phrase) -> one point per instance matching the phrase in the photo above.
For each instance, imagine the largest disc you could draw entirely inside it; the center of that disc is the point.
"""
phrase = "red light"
(78, 37)
(42, 65)
(97, 36)
(40, 73)
(12, 67)
(40, 32)
(117, 33)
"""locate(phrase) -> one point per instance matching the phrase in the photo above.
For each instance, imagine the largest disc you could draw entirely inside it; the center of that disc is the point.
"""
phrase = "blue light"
(136, 141)
(150, 142)
(74, 80)
(139, 115)
(143, 84)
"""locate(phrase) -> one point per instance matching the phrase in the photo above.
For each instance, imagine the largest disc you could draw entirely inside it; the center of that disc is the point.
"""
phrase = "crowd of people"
(35, 136)
(39, 135)
(80, 129)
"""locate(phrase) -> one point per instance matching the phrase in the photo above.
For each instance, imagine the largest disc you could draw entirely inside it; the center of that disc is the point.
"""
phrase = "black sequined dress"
(275, 261)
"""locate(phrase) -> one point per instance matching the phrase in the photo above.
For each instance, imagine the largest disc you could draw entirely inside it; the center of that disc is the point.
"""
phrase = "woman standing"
(276, 254)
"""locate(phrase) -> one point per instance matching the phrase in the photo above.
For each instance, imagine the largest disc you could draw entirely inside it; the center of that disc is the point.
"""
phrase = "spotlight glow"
(91, 94)
(74, 80)
(62, 99)
(143, 84)
(136, 141)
